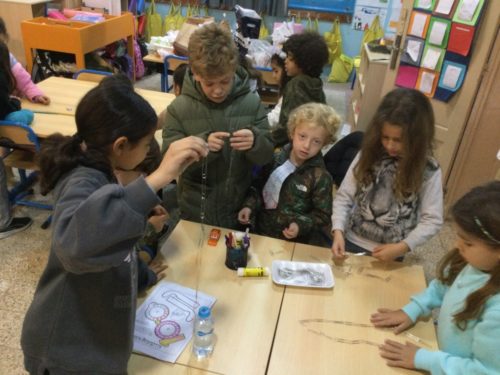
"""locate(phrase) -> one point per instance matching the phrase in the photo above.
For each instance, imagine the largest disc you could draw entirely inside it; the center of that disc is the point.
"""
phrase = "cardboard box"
(188, 27)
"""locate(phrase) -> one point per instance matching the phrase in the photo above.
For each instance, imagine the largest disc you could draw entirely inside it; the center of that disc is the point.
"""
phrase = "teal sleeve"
(422, 304)
(484, 358)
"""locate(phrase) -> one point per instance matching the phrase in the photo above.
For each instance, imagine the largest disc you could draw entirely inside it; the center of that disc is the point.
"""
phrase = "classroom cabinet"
(75, 37)
(367, 90)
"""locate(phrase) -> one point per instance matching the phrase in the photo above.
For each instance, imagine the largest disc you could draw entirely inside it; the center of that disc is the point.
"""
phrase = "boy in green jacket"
(292, 198)
(216, 104)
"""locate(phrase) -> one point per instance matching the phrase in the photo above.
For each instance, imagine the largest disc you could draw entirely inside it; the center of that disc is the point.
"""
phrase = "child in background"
(178, 77)
(147, 246)
(217, 105)
(467, 291)
(391, 199)
(306, 55)
(279, 74)
(9, 110)
(293, 196)
(81, 319)
(24, 85)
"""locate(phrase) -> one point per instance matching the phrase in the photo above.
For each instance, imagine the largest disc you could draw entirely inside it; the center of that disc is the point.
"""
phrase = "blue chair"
(170, 66)
(91, 75)
(22, 145)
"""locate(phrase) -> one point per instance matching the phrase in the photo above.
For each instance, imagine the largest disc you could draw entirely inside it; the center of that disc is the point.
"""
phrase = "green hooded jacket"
(305, 198)
(299, 90)
(229, 172)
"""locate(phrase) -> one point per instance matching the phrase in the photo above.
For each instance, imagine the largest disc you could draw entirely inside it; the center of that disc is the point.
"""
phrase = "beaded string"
(303, 322)
(201, 240)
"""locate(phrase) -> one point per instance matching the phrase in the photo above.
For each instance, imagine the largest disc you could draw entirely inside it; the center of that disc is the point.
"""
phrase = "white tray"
(311, 275)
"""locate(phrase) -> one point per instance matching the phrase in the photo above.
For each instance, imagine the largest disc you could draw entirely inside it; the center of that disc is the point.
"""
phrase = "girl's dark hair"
(412, 111)
(309, 51)
(3, 31)
(179, 74)
(5, 67)
(109, 111)
(477, 213)
(278, 60)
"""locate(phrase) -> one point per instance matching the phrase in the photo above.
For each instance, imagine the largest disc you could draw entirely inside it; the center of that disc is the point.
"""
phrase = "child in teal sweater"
(467, 291)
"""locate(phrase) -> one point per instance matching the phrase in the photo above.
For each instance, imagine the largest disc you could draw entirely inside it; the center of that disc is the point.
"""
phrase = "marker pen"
(252, 272)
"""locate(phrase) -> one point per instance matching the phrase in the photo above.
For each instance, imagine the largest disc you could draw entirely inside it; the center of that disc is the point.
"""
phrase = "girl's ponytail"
(59, 154)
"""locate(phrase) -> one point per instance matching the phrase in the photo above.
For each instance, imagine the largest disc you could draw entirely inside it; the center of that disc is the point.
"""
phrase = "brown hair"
(317, 115)
(212, 52)
(412, 111)
(477, 213)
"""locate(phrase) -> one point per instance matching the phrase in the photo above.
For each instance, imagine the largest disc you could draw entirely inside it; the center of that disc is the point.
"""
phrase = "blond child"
(292, 197)
(467, 291)
(217, 105)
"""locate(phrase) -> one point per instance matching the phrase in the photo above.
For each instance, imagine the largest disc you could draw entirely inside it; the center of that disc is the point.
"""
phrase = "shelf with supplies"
(76, 37)
(366, 93)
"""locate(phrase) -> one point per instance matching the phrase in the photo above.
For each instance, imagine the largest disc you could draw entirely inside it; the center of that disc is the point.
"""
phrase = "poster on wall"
(438, 46)
(364, 16)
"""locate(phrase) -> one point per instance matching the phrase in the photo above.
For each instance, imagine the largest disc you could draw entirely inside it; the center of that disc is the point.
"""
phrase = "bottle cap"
(204, 312)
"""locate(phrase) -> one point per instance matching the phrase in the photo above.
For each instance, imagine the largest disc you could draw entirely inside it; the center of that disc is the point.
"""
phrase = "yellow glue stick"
(251, 272)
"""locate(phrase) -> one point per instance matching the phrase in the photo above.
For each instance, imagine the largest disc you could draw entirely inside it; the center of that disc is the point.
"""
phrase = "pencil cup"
(237, 251)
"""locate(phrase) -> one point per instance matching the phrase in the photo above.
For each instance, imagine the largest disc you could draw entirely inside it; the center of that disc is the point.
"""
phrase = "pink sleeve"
(24, 84)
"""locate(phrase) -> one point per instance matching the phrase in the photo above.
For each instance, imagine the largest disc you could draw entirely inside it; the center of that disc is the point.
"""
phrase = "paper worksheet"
(418, 26)
(164, 322)
(467, 10)
(444, 6)
(431, 58)
(437, 33)
(451, 76)
(427, 82)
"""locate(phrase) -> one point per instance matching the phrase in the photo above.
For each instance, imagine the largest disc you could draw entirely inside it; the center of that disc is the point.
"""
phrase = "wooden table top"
(65, 94)
(330, 329)
(265, 328)
(246, 309)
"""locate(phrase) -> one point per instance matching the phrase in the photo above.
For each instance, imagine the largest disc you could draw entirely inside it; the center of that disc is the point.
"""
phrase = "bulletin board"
(438, 46)
(328, 6)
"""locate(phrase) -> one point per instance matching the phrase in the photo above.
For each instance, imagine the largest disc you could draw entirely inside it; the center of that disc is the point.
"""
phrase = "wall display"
(438, 46)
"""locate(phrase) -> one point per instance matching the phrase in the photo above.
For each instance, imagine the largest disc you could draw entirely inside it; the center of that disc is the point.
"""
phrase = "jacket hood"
(313, 85)
(240, 87)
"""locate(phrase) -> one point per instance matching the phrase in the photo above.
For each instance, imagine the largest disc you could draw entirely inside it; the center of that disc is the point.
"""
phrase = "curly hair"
(315, 115)
(212, 51)
(477, 213)
(309, 51)
(412, 111)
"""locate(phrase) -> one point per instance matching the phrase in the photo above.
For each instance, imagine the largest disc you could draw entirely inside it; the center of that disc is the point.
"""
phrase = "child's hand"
(42, 99)
(158, 218)
(391, 318)
(291, 232)
(216, 140)
(244, 215)
(179, 156)
(390, 251)
(338, 246)
(158, 267)
(399, 355)
(242, 140)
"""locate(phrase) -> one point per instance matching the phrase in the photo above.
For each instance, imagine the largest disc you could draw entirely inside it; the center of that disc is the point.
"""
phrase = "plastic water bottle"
(203, 340)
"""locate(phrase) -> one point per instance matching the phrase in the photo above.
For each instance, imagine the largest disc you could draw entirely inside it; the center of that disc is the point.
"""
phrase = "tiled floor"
(23, 257)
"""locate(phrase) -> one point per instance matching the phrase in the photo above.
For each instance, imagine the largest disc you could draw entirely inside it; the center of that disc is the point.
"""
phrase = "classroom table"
(64, 94)
(329, 331)
(266, 328)
(246, 309)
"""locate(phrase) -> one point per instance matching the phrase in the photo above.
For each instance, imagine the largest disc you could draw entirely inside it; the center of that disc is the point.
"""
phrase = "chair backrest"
(340, 156)
(17, 135)
(91, 75)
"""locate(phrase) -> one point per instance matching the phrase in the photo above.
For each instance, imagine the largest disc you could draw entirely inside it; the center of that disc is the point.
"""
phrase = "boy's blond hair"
(212, 51)
(315, 115)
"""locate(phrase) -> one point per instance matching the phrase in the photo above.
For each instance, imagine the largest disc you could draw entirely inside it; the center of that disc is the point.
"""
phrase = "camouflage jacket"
(305, 198)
